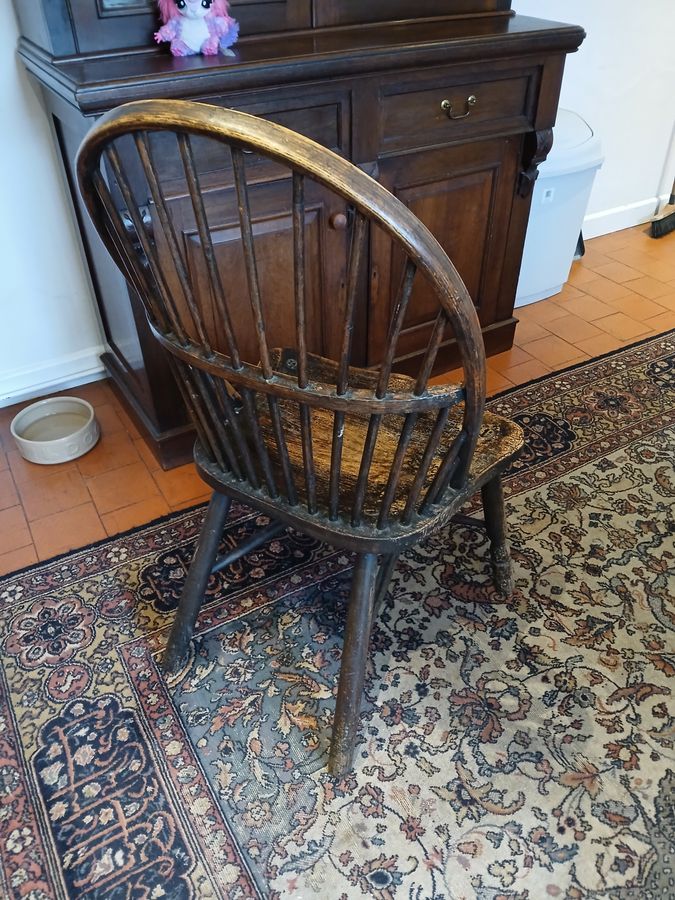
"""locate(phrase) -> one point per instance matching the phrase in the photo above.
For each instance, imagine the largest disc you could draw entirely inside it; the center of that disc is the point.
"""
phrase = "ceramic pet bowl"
(55, 430)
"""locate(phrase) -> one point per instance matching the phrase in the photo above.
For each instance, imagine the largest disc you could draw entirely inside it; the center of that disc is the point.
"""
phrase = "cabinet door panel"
(325, 266)
(463, 195)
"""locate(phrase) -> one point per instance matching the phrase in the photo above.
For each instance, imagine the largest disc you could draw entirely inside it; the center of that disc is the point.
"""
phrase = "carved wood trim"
(537, 146)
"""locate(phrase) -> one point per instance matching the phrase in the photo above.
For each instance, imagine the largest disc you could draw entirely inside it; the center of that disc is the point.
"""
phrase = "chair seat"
(500, 440)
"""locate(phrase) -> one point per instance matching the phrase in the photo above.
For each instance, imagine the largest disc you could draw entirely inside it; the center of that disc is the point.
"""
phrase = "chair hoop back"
(363, 445)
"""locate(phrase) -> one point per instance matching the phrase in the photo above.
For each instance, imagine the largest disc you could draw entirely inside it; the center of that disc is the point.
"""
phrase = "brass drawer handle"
(446, 106)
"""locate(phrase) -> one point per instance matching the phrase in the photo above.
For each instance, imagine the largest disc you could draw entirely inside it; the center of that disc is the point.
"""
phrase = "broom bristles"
(664, 223)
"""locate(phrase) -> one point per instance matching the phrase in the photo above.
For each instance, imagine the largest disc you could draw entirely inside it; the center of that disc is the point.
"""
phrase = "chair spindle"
(431, 353)
(195, 403)
(114, 162)
(357, 254)
(425, 462)
(248, 244)
(208, 391)
(232, 418)
(121, 246)
(166, 221)
(445, 472)
(396, 468)
(206, 243)
(253, 423)
(301, 333)
(400, 309)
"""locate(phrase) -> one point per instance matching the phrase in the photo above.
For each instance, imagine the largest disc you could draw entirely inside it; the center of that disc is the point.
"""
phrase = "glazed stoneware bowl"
(55, 430)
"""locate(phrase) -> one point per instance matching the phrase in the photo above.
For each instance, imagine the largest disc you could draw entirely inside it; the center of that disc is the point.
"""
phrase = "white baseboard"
(621, 217)
(54, 375)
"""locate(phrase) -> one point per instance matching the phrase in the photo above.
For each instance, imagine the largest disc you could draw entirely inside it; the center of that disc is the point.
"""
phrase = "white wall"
(50, 336)
(622, 81)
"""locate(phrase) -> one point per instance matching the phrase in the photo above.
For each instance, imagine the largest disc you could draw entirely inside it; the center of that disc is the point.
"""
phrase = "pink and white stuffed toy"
(197, 26)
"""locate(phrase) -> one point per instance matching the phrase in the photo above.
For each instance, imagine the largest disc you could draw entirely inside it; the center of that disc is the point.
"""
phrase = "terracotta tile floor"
(623, 290)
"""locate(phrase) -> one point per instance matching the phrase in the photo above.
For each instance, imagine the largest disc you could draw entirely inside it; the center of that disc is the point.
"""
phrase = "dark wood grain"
(346, 12)
(198, 576)
(103, 81)
(353, 664)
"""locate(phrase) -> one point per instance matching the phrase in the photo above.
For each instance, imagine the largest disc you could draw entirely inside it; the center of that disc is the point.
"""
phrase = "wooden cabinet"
(464, 195)
(451, 109)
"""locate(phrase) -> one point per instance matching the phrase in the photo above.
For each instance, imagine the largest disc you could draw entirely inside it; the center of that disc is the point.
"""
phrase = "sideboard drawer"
(325, 117)
(455, 109)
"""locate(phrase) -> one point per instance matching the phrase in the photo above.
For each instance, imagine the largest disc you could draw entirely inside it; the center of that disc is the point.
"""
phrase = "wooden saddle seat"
(499, 441)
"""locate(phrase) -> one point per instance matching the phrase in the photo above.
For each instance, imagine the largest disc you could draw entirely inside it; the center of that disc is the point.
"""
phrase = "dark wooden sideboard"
(451, 109)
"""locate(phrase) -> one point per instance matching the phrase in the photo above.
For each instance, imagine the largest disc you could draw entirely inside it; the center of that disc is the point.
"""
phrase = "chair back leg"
(495, 523)
(195, 584)
(353, 666)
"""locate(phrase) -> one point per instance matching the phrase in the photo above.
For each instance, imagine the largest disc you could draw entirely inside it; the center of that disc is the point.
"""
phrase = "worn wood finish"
(353, 664)
(350, 12)
(495, 522)
(367, 459)
(384, 576)
(196, 581)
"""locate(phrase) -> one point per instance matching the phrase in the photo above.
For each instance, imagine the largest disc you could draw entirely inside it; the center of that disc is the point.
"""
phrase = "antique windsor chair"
(364, 458)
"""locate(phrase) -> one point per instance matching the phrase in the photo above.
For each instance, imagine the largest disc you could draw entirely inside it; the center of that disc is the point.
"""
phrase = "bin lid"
(576, 147)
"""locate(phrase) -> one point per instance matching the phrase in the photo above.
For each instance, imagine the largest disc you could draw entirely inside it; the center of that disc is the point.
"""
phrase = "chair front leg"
(384, 576)
(197, 578)
(495, 523)
(353, 667)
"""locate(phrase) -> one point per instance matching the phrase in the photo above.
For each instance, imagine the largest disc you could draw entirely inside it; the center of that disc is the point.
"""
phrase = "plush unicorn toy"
(197, 26)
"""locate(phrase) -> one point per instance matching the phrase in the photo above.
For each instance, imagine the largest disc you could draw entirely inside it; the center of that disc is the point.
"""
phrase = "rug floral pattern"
(509, 750)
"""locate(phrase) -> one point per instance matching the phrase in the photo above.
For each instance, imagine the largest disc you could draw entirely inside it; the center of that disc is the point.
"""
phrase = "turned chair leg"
(495, 523)
(384, 576)
(195, 583)
(353, 667)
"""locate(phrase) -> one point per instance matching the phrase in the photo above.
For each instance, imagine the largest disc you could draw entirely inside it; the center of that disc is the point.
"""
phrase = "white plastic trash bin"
(559, 203)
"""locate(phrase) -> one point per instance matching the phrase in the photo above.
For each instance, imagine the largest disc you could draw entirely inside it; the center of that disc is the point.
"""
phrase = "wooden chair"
(364, 458)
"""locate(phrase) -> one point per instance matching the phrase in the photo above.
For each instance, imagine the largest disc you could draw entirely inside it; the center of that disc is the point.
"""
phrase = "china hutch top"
(72, 27)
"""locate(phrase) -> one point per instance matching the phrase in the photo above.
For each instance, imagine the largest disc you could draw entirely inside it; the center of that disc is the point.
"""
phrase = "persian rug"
(508, 749)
